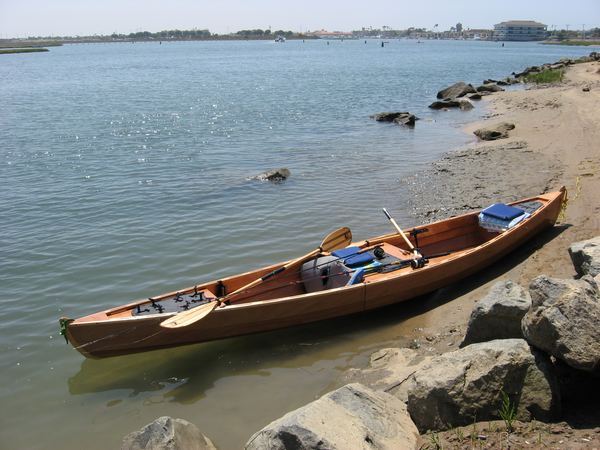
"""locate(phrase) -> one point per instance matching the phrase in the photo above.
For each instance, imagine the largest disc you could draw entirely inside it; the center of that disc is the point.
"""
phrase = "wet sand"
(556, 142)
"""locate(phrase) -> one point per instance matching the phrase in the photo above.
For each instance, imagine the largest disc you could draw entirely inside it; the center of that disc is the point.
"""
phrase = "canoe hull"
(96, 336)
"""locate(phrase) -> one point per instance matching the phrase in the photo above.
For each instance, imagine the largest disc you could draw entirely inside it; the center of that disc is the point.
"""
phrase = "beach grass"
(546, 76)
(572, 42)
(4, 51)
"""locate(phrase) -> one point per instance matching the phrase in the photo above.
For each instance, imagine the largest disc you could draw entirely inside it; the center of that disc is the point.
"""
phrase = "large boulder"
(498, 315)
(400, 118)
(586, 256)
(459, 89)
(564, 320)
(499, 131)
(456, 388)
(353, 416)
(166, 433)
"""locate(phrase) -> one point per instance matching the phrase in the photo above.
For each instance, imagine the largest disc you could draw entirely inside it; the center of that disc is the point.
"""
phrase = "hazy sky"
(20, 18)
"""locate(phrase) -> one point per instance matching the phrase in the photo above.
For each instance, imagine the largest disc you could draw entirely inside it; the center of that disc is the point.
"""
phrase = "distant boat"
(280, 39)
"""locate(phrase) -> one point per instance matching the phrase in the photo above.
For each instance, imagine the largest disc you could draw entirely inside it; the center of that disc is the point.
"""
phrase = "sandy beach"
(556, 142)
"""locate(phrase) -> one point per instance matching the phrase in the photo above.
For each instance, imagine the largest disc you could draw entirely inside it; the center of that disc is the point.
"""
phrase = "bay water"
(125, 172)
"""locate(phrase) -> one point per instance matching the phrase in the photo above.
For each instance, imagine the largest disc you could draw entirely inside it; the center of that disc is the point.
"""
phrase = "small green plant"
(460, 436)
(436, 441)
(507, 412)
(546, 76)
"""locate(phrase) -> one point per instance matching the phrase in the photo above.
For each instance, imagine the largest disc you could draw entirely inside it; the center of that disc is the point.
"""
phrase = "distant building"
(324, 34)
(478, 34)
(520, 30)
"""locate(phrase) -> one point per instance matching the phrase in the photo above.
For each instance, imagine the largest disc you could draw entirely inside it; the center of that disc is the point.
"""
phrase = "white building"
(520, 30)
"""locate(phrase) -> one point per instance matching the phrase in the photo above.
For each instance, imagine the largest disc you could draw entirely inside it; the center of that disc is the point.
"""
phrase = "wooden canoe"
(462, 247)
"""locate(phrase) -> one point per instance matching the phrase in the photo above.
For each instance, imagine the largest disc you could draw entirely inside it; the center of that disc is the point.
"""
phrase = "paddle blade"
(183, 319)
(339, 238)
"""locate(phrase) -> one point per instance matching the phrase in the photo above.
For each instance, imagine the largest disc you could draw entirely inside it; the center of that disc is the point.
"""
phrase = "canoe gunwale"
(368, 242)
(273, 313)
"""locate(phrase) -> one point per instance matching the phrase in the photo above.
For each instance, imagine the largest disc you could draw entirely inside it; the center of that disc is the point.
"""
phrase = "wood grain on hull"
(117, 331)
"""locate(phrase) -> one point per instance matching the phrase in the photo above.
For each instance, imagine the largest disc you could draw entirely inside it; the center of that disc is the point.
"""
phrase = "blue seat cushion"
(503, 212)
(359, 259)
(352, 258)
(345, 252)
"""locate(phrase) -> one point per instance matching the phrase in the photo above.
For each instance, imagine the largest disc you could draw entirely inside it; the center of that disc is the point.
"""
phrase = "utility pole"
(583, 31)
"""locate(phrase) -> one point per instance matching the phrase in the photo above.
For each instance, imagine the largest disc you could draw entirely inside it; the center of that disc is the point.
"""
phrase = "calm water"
(124, 173)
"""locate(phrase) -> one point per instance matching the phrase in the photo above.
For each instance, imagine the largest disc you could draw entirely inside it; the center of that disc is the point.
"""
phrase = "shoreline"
(554, 143)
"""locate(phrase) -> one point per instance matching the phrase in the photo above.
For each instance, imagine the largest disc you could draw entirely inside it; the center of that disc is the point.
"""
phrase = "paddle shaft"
(401, 233)
(338, 239)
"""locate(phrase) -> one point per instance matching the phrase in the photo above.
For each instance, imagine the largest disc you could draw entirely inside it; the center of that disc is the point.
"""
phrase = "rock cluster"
(457, 90)
(560, 64)
(452, 96)
(400, 118)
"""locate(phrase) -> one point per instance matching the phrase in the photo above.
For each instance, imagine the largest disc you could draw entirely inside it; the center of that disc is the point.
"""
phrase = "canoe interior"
(444, 240)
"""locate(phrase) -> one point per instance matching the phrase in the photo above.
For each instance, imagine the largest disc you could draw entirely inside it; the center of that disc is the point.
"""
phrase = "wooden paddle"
(401, 233)
(338, 239)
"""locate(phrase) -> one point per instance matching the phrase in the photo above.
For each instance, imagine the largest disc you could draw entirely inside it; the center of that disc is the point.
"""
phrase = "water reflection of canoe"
(366, 275)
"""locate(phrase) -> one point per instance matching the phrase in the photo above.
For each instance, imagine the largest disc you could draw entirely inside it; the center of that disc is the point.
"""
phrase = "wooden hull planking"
(117, 331)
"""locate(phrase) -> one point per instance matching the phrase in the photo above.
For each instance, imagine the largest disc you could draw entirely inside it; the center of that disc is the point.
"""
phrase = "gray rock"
(498, 315)
(459, 89)
(489, 88)
(442, 104)
(531, 70)
(400, 118)
(564, 320)
(499, 131)
(456, 388)
(465, 105)
(166, 433)
(352, 417)
(586, 256)
(475, 96)
(275, 175)
(386, 367)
